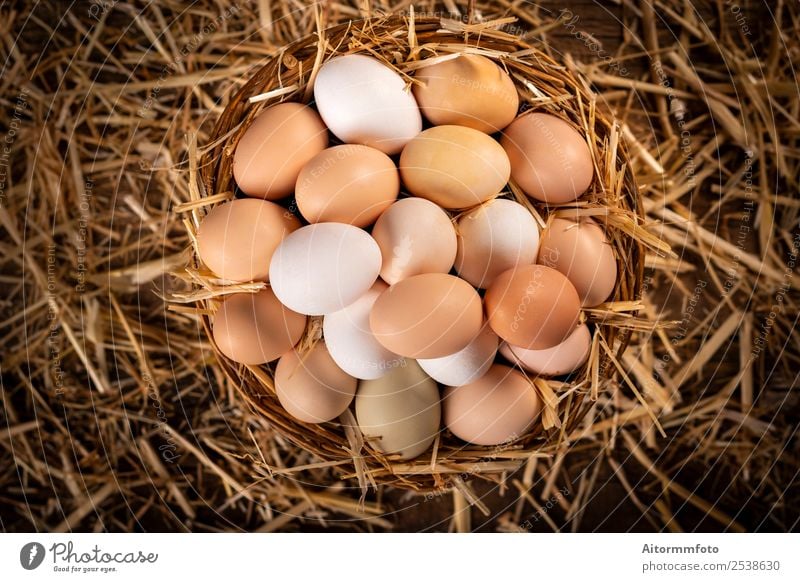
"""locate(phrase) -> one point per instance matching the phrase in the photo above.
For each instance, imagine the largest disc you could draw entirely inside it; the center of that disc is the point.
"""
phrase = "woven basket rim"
(389, 35)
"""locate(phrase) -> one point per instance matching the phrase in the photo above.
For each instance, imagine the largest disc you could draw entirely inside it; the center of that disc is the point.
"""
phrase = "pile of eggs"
(421, 273)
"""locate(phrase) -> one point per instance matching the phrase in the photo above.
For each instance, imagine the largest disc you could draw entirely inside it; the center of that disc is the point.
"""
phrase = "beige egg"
(581, 251)
(399, 413)
(494, 237)
(468, 90)
(453, 166)
(311, 387)
(533, 306)
(564, 358)
(349, 183)
(550, 159)
(496, 409)
(236, 240)
(276, 146)
(255, 328)
(415, 237)
(427, 316)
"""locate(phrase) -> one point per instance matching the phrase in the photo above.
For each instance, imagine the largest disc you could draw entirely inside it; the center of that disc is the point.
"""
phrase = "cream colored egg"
(399, 413)
(496, 236)
(415, 237)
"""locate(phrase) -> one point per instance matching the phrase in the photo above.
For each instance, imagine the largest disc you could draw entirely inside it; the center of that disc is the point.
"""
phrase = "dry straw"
(403, 42)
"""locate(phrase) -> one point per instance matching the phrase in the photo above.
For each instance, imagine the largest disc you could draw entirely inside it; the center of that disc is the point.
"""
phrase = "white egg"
(496, 236)
(466, 366)
(351, 343)
(322, 268)
(564, 358)
(363, 101)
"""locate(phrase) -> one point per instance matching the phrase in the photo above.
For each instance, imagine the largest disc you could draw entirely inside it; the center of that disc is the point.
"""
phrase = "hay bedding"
(114, 417)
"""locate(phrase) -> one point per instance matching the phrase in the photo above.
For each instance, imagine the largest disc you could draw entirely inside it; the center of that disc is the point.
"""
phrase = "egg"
(453, 166)
(311, 387)
(500, 407)
(415, 237)
(236, 240)
(365, 102)
(350, 340)
(550, 159)
(533, 307)
(564, 358)
(350, 183)
(255, 328)
(467, 365)
(580, 250)
(497, 236)
(276, 146)
(399, 413)
(322, 268)
(468, 90)
(427, 316)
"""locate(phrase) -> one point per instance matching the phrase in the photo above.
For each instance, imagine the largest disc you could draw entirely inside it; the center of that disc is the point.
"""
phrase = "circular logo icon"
(31, 555)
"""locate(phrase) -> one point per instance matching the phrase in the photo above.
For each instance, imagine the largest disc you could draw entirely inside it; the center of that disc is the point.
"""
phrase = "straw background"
(114, 415)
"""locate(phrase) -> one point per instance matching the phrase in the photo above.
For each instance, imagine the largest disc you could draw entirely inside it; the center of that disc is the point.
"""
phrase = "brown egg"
(580, 250)
(236, 240)
(532, 306)
(311, 387)
(469, 90)
(349, 183)
(427, 316)
(453, 166)
(550, 159)
(255, 328)
(496, 409)
(415, 237)
(276, 146)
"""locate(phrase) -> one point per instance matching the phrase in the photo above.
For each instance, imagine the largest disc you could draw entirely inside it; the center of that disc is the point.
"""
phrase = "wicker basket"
(613, 199)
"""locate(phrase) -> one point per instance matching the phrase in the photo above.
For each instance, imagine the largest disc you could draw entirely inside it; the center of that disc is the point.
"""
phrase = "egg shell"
(564, 358)
(236, 240)
(255, 328)
(468, 90)
(496, 236)
(399, 413)
(427, 316)
(311, 387)
(276, 146)
(350, 340)
(580, 250)
(322, 268)
(453, 166)
(415, 237)
(533, 307)
(467, 365)
(365, 102)
(550, 159)
(349, 183)
(496, 409)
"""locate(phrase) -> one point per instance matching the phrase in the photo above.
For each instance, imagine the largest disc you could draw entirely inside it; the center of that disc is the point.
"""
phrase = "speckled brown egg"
(550, 160)
(276, 146)
(255, 328)
(237, 239)
(427, 316)
(532, 306)
(468, 90)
